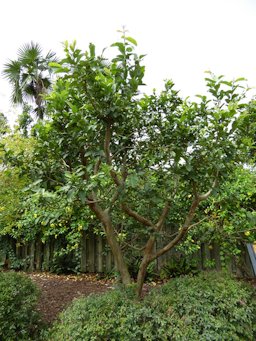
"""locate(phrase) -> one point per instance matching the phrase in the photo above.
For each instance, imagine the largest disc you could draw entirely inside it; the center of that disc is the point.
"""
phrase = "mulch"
(58, 291)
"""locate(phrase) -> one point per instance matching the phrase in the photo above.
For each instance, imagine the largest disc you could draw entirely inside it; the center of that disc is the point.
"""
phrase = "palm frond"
(12, 71)
(16, 95)
(51, 57)
(29, 53)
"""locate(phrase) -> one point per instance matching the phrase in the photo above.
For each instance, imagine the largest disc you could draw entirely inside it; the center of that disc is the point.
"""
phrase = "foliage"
(4, 127)
(179, 265)
(64, 260)
(137, 163)
(25, 120)
(8, 256)
(30, 76)
(111, 316)
(211, 305)
(142, 166)
(205, 307)
(13, 179)
(18, 317)
(11, 195)
(230, 217)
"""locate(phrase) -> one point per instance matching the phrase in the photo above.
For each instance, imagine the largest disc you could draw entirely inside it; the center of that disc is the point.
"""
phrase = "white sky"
(182, 38)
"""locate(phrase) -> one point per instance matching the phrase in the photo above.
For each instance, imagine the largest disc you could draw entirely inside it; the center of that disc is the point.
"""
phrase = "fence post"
(99, 254)
(46, 256)
(32, 256)
(83, 252)
(91, 252)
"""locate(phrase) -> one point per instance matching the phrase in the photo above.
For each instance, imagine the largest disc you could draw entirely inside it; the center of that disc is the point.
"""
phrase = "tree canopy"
(143, 166)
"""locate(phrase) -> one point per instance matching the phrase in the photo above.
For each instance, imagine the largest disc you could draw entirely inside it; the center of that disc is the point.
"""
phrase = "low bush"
(179, 265)
(18, 297)
(205, 307)
(113, 316)
(211, 306)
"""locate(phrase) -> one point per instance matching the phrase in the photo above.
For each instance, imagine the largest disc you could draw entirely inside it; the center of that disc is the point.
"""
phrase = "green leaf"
(241, 79)
(82, 196)
(131, 40)
(133, 180)
(120, 46)
(92, 50)
(55, 65)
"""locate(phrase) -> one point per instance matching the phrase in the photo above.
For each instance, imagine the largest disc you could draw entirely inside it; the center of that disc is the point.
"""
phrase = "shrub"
(18, 297)
(112, 316)
(65, 262)
(179, 265)
(212, 306)
(205, 307)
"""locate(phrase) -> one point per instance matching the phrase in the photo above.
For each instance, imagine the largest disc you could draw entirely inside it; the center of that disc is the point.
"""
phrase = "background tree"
(14, 149)
(30, 76)
(230, 218)
(4, 127)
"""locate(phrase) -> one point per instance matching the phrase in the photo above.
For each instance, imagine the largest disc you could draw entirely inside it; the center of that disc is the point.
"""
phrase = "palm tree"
(30, 76)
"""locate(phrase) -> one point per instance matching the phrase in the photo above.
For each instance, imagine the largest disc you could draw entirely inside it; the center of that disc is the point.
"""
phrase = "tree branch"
(187, 224)
(107, 140)
(97, 166)
(181, 233)
(107, 144)
(136, 215)
(163, 216)
(206, 195)
(190, 227)
(89, 202)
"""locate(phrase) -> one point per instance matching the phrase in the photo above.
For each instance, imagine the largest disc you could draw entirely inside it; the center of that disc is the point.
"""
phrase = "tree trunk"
(117, 254)
(144, 264)
(141, 276)
(105, 219)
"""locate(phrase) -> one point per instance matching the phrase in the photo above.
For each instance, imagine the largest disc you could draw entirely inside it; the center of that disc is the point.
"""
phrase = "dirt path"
(57, 292)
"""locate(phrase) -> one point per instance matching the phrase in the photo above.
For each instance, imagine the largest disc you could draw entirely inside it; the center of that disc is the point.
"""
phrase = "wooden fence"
(96, 257)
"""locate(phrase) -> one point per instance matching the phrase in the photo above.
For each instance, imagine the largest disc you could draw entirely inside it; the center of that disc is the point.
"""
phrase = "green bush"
(65, 262)
(18, 297)
(205, 307)
(212, 306)
(112, 316)
(179, 265)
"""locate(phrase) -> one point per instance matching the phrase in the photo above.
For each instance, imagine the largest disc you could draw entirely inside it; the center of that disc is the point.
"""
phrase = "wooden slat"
(32, 256)
(99, 254)
(83, 253)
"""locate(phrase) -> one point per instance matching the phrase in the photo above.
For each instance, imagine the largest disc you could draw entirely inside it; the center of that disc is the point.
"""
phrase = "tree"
(30, 76)
(231, 218)
(12, 195)
(134, 159)
(4, 128)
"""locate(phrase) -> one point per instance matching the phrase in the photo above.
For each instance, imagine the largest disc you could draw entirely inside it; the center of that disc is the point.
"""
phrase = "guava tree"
(132, 158)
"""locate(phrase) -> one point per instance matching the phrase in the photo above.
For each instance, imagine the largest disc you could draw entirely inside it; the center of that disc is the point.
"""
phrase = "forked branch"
(187, 224)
